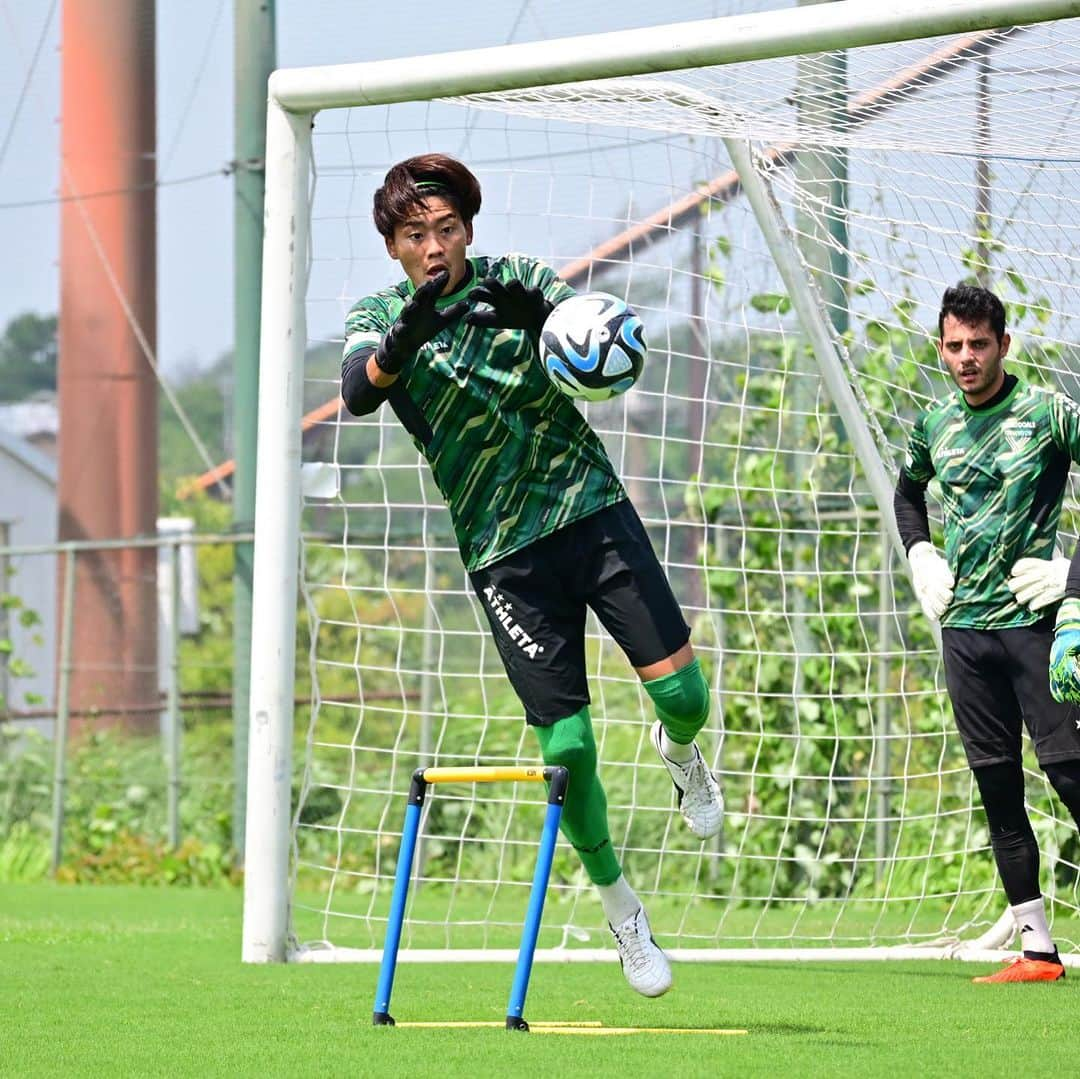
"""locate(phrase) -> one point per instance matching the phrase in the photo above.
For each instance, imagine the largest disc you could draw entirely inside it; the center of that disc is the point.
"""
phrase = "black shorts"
(536, 601)
(998, 683)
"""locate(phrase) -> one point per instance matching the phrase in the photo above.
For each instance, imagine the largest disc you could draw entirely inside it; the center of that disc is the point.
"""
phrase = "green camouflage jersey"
(512, 456)
(1002, 473)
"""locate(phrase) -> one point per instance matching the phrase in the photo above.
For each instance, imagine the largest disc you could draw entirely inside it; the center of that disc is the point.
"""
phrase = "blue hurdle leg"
(381, 1015)
(546, 854)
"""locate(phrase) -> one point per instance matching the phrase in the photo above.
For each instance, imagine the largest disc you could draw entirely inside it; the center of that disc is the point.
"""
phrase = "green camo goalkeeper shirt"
(1002, 474)
(512, 456)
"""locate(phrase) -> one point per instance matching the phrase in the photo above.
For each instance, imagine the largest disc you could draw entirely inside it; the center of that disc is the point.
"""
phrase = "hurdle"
(557, 778)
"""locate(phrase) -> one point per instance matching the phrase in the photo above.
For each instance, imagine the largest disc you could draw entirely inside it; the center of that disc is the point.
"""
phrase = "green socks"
(570, 742)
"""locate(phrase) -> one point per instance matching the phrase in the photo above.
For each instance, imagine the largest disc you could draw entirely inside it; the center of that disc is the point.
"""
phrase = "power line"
(26, 82)
(224, 171)
(137, 330)
(196, 83)
(80, 202)
(463, 145)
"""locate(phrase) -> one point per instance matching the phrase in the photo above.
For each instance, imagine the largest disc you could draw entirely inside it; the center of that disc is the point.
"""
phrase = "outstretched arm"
(368, 373)
(420, 320)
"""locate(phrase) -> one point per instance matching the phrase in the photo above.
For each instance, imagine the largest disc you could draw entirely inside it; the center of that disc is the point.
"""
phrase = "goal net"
(785, 227)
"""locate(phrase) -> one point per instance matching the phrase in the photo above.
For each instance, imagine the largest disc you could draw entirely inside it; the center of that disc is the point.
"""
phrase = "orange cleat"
(1022, 969)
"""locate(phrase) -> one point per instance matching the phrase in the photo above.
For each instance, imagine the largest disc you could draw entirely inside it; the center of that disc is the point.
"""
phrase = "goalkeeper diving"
(1000, 451)
(544, 525)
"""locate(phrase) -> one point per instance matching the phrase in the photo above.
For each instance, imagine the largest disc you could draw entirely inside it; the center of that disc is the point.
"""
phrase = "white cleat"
(700, 801)
(644, 964)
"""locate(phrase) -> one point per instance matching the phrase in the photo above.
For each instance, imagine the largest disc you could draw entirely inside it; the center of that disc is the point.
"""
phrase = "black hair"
(409, 183)
(972, 304)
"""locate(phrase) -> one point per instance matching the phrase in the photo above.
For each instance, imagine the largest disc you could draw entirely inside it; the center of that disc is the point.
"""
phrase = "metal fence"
(65, 680)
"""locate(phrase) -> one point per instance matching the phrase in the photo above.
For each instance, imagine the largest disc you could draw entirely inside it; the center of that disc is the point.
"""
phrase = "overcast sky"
(195, 127)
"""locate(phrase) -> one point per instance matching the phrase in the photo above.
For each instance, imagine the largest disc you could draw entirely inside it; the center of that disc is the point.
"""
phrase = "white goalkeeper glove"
(1038, 582)
(932, 578)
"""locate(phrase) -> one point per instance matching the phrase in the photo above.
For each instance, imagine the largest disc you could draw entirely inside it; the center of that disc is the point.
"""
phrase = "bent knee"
(683, 695)
(570, 742)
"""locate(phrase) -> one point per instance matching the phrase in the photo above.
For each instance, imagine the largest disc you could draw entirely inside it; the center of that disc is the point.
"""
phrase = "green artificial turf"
(148, 981)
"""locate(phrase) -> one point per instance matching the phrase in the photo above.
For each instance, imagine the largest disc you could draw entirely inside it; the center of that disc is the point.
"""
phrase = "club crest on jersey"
(1018, 433)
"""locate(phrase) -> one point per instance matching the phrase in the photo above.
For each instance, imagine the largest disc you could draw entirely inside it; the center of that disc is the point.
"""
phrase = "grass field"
(147, 981)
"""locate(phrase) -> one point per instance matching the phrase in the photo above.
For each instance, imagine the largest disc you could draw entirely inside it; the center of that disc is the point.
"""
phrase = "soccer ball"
(593, 346)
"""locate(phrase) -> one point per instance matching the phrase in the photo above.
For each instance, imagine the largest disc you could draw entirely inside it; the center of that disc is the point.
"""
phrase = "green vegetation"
(28, 359)
(115, 809)
(12, 610)
(116, 782)
(27, 356)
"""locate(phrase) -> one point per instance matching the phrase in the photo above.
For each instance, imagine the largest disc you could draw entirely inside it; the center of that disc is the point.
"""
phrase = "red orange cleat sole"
(1022, 969)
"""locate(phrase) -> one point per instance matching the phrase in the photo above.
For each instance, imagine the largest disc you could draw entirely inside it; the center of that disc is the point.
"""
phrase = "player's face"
(432, 239)
(974, 356)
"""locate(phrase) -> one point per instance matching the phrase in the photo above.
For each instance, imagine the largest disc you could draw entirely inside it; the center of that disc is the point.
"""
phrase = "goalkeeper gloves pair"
(513, 307)
(1035, 582)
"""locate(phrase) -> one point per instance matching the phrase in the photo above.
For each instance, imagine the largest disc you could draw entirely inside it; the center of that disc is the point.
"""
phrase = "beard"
(975, 380)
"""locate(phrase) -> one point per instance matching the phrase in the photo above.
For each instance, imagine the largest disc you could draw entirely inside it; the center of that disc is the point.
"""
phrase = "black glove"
(514, 307)
(417, 324)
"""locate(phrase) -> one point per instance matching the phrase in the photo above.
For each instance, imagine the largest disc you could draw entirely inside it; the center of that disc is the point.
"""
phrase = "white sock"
(620, 901)
(675, 751)
(1031, 924)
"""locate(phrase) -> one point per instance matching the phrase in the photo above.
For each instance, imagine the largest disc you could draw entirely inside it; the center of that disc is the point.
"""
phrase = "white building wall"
(28, 516)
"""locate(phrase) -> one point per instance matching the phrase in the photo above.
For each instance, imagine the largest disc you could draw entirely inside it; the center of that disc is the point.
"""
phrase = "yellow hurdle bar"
(482, 774)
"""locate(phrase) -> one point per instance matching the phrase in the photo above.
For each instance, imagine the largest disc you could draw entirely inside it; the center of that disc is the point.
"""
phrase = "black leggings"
(1064, 776)
(1015, 850)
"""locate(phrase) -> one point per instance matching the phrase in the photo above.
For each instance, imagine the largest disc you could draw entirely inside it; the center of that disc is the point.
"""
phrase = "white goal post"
(763, 443)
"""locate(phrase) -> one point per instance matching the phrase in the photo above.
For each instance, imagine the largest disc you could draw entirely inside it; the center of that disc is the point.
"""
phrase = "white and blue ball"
(593, 346)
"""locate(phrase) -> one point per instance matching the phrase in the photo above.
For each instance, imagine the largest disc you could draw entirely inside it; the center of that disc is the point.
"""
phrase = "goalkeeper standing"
(543, 523)
(1001, 452)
